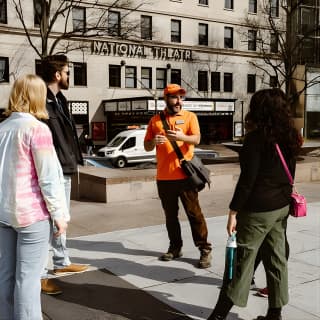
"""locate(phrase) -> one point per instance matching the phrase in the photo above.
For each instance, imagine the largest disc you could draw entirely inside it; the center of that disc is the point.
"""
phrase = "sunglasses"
(176, 97)
(66, 72)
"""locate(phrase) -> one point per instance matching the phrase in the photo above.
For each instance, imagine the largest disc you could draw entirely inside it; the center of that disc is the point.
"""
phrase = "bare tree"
(283, 36)
(66, 25)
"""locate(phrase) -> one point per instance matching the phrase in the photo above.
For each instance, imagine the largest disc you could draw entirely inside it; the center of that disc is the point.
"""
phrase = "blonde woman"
(31, 192)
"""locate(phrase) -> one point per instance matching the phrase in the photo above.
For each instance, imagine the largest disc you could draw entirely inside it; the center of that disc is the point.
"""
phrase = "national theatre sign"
(139, 51)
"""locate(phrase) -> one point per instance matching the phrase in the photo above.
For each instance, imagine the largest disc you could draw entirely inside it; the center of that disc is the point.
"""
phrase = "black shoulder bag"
(198, 174)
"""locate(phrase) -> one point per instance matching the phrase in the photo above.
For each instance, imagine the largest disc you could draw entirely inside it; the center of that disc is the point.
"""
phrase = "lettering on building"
(139, 51)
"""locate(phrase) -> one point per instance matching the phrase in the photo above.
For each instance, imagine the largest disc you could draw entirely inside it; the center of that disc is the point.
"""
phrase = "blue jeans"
(22, 254)
(59, 244)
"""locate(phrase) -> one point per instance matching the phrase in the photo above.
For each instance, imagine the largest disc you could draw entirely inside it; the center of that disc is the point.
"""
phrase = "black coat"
(64, 133)
(263, 184)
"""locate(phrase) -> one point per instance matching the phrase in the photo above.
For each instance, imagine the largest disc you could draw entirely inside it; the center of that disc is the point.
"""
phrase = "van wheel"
(121, 162)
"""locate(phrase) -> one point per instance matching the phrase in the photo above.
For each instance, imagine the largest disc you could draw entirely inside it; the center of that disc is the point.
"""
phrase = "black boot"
(222, 308)
(273, 314)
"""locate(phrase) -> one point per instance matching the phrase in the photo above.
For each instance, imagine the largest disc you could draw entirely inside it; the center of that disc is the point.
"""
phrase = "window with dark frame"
(79, 19)
(251, 83)
(113, 23)
(79, 73)
(274, 46)
(161, 78)
(3, 11)
(215, 81)
(228, 4)
(203, 2)
(146, 77)
(252, 40)
(273, 82)
(203, 34)
(4, 69)
(228, 37)
(252, 6)
(227, 82)
(38, 67)
(274, 8)
(131, 77)
(176, 76)
(146, 27)
(202, 80)
(115, 76)
(37, 12)
(175, 31)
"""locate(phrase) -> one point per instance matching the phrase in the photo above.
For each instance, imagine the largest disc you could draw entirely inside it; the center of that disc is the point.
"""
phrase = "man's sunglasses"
(176, 97)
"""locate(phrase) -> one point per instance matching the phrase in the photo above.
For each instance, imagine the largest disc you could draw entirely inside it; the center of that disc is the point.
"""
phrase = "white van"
(127, 147)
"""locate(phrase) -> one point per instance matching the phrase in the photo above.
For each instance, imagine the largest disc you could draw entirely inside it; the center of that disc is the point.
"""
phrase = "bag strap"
(173, 143)
(284, 164)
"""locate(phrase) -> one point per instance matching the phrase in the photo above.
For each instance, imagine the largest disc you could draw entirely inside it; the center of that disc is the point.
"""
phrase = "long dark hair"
(269, 113)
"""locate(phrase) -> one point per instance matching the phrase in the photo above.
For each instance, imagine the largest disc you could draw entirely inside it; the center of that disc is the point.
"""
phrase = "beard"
(64, 84)
(174, 108)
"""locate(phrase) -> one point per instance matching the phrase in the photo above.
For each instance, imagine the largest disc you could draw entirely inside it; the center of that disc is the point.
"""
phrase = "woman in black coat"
(260, 204)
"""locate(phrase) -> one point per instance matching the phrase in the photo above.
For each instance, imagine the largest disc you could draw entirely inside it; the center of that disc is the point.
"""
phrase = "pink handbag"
(298, 205)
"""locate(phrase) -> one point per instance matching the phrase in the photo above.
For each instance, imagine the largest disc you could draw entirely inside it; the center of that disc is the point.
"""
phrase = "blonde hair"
(28, 94)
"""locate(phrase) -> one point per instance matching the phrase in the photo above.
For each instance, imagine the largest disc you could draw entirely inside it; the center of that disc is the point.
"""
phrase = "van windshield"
(115, 142)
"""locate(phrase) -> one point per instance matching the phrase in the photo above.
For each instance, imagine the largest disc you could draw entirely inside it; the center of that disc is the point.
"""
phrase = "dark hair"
(269, 113)
(51, 64)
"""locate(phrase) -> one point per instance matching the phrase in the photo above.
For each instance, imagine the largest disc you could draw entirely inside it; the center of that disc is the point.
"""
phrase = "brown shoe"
(171, 254)
(205, 259)
(48, 286)
(72, 268)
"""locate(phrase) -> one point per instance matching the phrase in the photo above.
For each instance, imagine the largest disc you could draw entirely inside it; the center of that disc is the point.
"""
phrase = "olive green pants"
(268, 230)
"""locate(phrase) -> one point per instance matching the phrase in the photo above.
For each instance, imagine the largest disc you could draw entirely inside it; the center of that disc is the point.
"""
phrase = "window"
(203, 34)
(215, 81)
(252, 40)
(175, 31)
(274, 43)
(161, 78)
(37, 12)
(307, 20)
(227, 82)
(228, 37)
(79, 19)
(146, 27)
(80, 74)
(252, 6)
(176, 76)
(146, 77)
(202, 80)
(114, 76)
(203, 2)
(131, 77)
(228, 4)
(114, 23)
(251, 83)
(4, 69)
(273, 81)
(130, 143)
(3, 11)
(274, 8)
(38, 67)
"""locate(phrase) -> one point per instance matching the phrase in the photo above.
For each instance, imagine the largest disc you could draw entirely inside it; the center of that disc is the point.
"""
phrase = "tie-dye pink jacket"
(31, 178)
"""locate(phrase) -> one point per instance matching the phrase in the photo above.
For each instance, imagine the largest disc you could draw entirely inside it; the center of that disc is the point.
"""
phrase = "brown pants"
(169, 192)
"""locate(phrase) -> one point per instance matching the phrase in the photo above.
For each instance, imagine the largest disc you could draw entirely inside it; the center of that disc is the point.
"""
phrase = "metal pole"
(155, 105)
(242, 123)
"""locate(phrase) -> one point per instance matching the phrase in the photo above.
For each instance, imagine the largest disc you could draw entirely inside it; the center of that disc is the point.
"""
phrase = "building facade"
(117, 76)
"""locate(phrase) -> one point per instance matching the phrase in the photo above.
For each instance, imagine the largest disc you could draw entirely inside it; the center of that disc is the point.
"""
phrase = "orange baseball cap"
(173, 88)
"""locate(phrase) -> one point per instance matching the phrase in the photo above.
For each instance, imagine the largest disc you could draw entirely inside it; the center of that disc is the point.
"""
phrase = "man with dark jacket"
(55, 72)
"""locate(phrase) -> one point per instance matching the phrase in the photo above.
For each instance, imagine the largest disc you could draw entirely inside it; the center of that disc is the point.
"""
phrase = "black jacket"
(64, 133)
(263, 184)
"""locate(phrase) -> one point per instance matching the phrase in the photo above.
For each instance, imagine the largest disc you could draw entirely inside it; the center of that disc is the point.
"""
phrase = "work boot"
(48, 286)
(72, 268)
(171, 254)
(205, 259)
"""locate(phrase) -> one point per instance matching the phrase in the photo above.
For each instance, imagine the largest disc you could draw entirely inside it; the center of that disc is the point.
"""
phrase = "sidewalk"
(126, 280)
